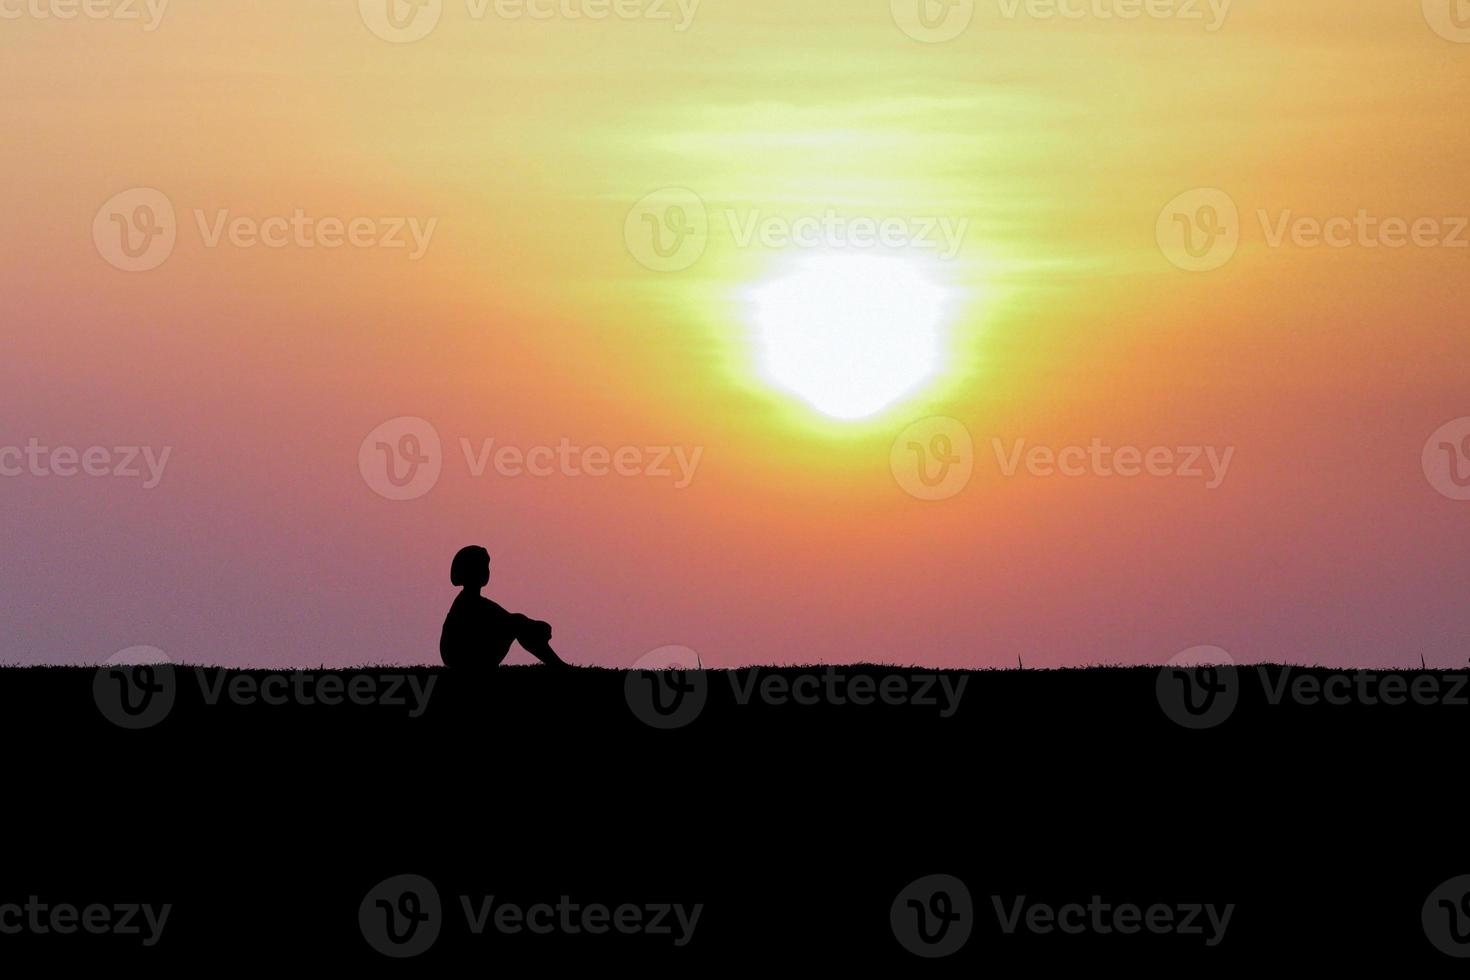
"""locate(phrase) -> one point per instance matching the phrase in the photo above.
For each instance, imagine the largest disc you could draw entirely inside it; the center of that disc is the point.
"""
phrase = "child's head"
(471, 567)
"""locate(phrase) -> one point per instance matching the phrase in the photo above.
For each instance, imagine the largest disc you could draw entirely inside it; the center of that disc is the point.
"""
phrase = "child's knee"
(535, 634)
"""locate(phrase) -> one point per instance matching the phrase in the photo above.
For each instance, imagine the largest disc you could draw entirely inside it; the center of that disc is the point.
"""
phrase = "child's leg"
(535, 639)
(544, 653)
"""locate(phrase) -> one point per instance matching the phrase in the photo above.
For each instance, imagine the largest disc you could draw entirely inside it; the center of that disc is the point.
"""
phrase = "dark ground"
(796, 826)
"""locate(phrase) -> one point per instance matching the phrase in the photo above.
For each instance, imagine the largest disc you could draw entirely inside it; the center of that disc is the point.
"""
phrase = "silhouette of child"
(477, 632)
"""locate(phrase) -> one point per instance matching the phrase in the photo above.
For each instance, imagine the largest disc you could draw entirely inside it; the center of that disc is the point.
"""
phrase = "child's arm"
(532, 630)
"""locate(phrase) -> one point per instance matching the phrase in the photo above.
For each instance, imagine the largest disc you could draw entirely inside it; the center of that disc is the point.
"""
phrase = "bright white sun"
(850, 334)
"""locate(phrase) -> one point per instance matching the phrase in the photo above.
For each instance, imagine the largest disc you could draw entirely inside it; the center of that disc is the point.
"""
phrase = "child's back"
(477, 632)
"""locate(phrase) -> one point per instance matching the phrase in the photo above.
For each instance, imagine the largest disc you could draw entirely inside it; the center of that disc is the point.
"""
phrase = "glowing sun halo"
(850, 335)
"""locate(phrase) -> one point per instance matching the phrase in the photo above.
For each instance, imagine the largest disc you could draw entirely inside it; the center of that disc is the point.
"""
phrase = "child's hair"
(469, 565)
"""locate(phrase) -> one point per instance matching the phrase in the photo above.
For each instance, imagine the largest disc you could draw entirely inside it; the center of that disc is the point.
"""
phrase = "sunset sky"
(531, 153)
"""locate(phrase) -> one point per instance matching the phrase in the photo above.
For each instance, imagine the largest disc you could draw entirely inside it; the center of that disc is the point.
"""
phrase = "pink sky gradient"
(529, 321)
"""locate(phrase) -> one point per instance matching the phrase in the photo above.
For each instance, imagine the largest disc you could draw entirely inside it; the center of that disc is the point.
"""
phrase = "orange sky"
(530, 319)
